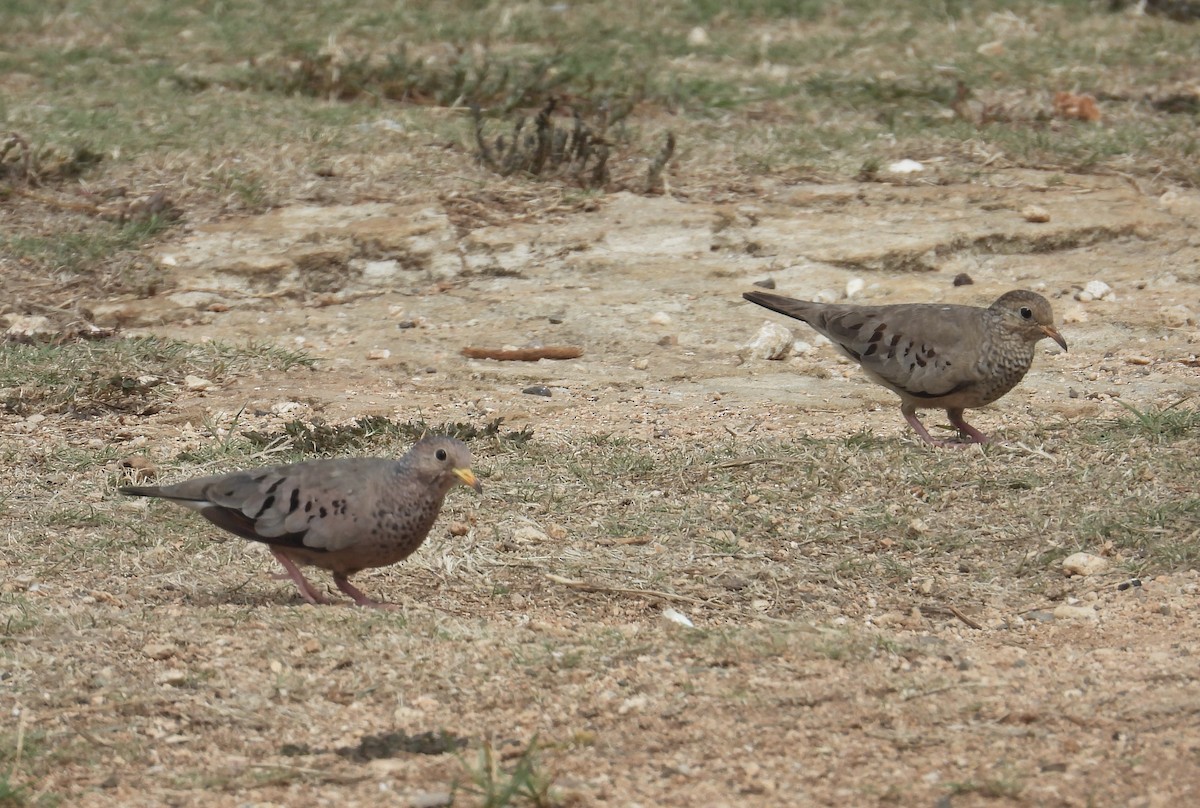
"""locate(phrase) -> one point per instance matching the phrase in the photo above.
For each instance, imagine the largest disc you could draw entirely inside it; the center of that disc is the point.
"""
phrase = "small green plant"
(525, 784)
(1165, 423)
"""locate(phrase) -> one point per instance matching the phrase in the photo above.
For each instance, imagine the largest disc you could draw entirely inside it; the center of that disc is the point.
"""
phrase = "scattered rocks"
(1083, 564)
(773, 341)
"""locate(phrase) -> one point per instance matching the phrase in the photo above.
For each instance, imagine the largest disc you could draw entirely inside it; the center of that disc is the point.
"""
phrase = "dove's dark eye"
(441, 454)
(1026, 313)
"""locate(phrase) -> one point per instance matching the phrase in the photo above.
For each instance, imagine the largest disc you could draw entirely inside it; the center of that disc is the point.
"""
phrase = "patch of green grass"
(77, 252)
(319, 438)
(123, 374)
(1161, 424)
(524, 783)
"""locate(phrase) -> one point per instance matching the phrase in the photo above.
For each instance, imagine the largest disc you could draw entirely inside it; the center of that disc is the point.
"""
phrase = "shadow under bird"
(343, 515)
(933, 355)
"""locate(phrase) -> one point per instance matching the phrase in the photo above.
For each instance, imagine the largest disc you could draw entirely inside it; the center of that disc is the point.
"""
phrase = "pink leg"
(343, 583)
(306, 589)
(910, 415)
(956, 418)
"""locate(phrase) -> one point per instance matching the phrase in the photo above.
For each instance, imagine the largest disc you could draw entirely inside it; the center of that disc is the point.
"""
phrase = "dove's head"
(442, 463)
(1030, 315)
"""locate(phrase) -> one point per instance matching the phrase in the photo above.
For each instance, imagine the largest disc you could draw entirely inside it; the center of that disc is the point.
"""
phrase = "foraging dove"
(934, 355)
(343, 515)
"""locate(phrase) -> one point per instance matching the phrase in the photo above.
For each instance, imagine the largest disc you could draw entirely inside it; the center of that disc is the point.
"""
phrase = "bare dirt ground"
(176, 671)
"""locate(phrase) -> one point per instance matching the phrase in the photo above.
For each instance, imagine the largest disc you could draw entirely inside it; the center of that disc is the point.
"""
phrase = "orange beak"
(468, 478)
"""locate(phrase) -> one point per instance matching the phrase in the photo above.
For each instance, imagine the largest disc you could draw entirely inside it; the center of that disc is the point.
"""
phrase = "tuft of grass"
(1172, 422)
(525, 783)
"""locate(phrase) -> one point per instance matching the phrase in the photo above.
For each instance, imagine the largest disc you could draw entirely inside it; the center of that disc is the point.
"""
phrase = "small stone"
(173, 677)
(773, 341)
(963, 279)
(312, 645)
(697, 37)
(555, 320)
(379, 353)
(668, 341)
(825, 296)
(1137, 359)
(196, 384)
(1083, 564)
(537, 390)
(1095, 290)
(854, 286)
(431, 799)
(1068, 612)
(158, 650)
(641, 364)
(1035, 213)
(139, 468)
(660, 318)
(905, 166)
(459, 529)
(406, 324)
(28, 325)
(525, 534)
(767, 283)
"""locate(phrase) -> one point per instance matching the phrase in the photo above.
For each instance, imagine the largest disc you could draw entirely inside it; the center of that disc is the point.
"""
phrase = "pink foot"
(306, 589)
(343, 583)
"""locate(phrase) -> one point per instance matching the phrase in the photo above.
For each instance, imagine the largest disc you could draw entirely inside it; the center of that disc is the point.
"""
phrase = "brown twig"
(586, 586)
(524, 354)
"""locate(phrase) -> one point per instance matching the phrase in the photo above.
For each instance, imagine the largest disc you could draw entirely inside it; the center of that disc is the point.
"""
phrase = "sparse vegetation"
(525, 783)
(692, 588)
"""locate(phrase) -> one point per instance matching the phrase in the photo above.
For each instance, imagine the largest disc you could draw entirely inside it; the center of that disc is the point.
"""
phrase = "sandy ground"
(179, 685)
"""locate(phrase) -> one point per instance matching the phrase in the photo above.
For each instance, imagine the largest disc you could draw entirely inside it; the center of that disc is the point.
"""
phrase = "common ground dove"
(343, 515)
(934, 355)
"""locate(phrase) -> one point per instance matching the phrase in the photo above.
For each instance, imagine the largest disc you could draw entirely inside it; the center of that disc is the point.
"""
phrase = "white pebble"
(854, 286)
(1068, 612)
(660, 318)
(379, 353)
(1083, 564)
(196, 384)
(905, 166)
(825, 296)
(676, 616)
(697, 37)
(1095, 290)
(528, 533)
(773, 341)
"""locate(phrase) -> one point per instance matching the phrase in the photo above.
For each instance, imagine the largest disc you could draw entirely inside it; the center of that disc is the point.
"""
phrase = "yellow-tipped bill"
(468, 478)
